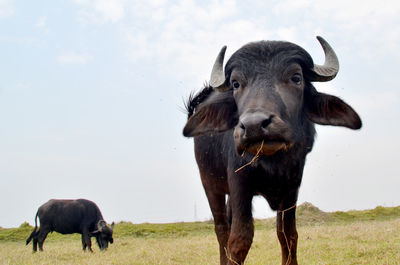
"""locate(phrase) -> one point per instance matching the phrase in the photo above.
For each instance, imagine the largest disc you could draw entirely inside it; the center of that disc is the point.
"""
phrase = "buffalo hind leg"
(35, 241)
(221, 225)
(287, 235)
(42, 237)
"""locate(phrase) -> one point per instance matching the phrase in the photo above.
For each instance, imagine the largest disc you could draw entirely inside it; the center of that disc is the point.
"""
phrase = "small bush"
(25, 225)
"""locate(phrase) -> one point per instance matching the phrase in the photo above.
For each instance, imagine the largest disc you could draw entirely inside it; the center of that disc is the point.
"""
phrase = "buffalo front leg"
(287, 234)
(85, 239)
(86, 242)
(83, 243)
(242, 229)
(221, 225)
(89, 243)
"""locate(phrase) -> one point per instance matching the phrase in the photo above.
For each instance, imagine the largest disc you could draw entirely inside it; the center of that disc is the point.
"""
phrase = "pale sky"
(91, 98)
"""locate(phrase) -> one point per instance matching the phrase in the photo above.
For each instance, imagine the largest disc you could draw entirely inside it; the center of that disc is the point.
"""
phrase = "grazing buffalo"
(72, 216)
(253, 126)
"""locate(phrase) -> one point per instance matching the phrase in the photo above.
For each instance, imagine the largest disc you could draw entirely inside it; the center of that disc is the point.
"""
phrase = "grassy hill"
(306, 214)
(334, 238)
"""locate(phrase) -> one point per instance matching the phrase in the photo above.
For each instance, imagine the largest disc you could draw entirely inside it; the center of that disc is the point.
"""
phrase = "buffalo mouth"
(264, 147)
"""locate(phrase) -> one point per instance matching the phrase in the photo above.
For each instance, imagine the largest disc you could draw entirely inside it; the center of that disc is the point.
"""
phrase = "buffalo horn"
(101, 224)
(329, 70)
(217, 79)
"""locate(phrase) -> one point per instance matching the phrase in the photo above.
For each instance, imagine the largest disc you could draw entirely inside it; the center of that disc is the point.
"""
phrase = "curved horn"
(217, 78)
(329, 70)
(101, 224)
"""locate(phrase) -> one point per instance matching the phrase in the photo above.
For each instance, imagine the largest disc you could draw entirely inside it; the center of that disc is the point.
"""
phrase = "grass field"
(355, 237)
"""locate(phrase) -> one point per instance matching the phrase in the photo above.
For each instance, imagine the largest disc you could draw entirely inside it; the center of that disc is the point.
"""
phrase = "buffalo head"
(265, 95)
(103, 234)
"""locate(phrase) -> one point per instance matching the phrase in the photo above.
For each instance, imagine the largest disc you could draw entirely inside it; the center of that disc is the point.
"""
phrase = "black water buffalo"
(72, 216)
(253, 126)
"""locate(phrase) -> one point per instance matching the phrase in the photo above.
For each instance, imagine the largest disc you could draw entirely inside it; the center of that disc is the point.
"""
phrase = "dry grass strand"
(230, 257)
(289, 246)
(253, 159)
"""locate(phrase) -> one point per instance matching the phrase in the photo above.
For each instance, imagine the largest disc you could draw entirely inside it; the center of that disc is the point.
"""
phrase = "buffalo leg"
(242, 229)
(229, 212)
(42, 237)
(35, 241)
(287, 234)
(86, 242)
(221, 226)
(89, 243)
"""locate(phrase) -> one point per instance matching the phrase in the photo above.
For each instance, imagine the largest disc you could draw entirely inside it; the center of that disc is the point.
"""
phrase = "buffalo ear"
(326, 109)
(217, 114)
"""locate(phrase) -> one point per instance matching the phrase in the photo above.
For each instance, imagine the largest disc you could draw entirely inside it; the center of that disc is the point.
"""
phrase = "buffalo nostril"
(266, 122)
(254, 125)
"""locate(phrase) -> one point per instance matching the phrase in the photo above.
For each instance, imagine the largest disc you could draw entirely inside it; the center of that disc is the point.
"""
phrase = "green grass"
(148, 230)
(353, 237)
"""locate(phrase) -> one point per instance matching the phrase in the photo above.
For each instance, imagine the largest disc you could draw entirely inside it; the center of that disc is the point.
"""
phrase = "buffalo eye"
(235, 84)
(296, 78)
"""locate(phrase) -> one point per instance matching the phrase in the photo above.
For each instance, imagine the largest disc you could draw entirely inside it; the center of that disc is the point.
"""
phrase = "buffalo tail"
(33, 232)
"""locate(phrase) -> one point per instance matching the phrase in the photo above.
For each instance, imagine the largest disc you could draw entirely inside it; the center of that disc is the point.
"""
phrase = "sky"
(92, 92)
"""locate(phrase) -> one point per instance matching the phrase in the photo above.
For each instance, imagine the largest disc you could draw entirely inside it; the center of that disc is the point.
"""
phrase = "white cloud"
(183, 37)
(6, 8)
(100, 11)
(359, 12)
(370, 24)
(187, 40)
(41, 23)
(74, 58)
(186, 35)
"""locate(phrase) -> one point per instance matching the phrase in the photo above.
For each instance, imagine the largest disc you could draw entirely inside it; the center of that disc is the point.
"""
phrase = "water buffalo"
(72, 216)
(253, 126)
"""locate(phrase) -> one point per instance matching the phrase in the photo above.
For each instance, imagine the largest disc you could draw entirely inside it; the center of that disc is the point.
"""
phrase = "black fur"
(195, 99)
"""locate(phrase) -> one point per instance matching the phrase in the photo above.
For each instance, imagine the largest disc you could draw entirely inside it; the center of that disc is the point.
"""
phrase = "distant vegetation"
(353, 237)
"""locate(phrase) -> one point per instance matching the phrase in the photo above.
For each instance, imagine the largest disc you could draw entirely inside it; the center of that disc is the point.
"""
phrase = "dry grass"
(365, 242)
(359, 243)
(129, 250)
